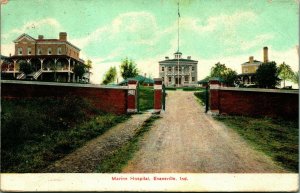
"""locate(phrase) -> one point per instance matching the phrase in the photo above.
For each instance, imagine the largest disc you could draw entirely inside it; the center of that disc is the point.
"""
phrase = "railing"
(21, 76)
(37, 74)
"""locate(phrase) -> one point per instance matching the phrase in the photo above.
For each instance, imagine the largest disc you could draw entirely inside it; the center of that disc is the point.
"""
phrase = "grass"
(116, 162)
(201, 96)
(37, 132)
(276, 138)
(146, 98)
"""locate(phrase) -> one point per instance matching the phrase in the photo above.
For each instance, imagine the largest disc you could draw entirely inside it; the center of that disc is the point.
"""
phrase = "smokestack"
(251, 59)
(266, 57)
(63, 36)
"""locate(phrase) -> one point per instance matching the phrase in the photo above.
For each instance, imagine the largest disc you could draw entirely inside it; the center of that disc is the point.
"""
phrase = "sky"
(211, 31)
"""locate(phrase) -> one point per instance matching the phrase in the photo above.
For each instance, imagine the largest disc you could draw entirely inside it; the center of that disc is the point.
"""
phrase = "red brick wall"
(253, 103)
(106, 99)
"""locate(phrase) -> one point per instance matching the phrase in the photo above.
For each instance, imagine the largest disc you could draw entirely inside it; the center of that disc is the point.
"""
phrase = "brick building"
(51, 59)
(185, 75)
(249, 68)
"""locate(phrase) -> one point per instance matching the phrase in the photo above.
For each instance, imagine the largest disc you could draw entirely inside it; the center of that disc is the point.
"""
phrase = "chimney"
(63, 36)
(251, 59)
(266, 59)
(167, 57)
(189, 57)
(41, 37)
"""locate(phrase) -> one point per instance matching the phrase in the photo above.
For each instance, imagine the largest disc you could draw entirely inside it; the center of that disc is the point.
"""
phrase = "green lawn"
(276, 138)
(146, 98)
(36, 132)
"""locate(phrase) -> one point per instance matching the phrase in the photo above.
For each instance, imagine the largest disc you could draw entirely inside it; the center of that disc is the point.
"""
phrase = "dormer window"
(49, 51)
(28, 51)
(20, 51)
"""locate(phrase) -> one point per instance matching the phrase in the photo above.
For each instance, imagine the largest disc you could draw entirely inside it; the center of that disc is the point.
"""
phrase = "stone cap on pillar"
(158, 81)
(215, 83)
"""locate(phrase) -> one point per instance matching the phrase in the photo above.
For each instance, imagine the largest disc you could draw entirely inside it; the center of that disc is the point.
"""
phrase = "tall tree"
(128, 69)
(285, 72)
(88, 64)
(295, 78)
(267, 75)
(110, 75)
(227, 74)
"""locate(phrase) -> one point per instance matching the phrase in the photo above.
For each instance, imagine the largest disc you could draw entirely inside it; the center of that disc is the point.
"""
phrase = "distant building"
(51, 59)
(178, 71)
(249, 68)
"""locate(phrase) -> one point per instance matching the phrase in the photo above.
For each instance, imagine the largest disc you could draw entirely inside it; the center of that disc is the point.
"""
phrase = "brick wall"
(112, 100)
(255, 102)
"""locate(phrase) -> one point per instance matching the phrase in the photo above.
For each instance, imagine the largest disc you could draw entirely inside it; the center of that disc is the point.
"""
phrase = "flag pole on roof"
(178, 77)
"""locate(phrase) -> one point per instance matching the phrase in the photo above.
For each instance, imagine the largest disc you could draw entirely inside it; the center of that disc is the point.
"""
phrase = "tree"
(285, 72)
(227, 74)
(79, 70)
(25, 67)
(110, 75)
(295, 77)
(267, 75)
(128, 69)
(88, 64)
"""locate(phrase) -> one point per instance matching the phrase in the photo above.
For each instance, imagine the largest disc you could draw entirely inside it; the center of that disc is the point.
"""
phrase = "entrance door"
(176, 81)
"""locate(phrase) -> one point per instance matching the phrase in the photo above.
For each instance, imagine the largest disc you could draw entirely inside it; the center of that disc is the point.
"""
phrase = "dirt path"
(87, 158)
(188, 140)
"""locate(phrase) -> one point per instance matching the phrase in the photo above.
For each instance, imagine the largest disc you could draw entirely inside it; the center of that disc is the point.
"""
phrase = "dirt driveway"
(188, 140)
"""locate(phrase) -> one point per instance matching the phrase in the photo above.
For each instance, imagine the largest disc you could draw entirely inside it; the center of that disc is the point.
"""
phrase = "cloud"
(47, 26)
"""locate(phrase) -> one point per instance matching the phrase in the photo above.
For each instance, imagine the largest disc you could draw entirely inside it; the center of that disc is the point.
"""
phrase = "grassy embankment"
(277, 138)
(116, 162)
(37, 132)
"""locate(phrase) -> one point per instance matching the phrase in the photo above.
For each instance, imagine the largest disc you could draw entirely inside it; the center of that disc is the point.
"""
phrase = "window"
(193, 68)
(170, 68)
(20, 51)
(49, 51)
(59, 51)
(39, 51)
(186, 78)
(193, 79)
(28, 51)
(170, 79)
(163, 79)
(245, 70)
(162, 69)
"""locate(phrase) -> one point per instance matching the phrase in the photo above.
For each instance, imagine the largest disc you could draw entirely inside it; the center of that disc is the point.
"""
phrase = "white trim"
(132, 86)
(157, 87)
(214, 87)
(260, 90)
(131, 110)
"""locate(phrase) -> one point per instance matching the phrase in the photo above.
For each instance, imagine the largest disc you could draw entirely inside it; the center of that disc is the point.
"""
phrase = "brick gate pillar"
(132, 96)
(214, 86)
(158, 94)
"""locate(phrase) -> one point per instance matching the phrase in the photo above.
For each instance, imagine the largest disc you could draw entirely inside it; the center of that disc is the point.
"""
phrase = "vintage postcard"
(139, 95)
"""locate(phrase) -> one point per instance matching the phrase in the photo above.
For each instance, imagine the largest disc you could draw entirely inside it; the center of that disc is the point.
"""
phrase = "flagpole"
(178, 45)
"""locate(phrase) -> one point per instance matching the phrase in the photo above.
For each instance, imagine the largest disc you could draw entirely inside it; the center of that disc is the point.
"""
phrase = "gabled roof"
(24, 35)
(254, 62)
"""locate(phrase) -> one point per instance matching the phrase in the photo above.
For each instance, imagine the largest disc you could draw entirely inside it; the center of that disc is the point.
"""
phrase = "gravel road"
(189, 141)
(87, 158)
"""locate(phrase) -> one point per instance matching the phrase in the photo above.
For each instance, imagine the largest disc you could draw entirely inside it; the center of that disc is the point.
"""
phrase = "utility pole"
(178, 45)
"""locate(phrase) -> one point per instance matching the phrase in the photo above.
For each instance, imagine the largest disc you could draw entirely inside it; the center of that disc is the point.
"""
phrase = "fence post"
(157, 94)
(214, 96)
(132, 97)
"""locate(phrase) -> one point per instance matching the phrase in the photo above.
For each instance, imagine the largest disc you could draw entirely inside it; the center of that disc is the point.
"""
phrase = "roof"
(44, 40)
(254, 62)
(43, 56)
(177, 52)
(139, 78)
(176, 60)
